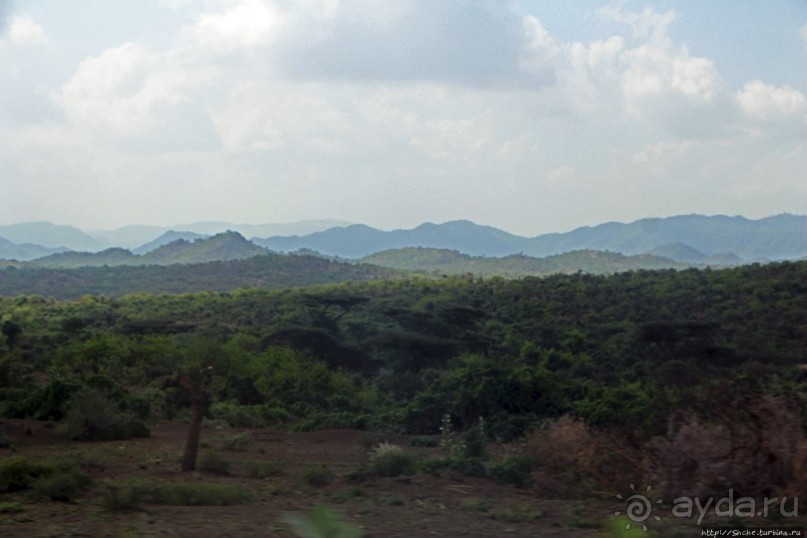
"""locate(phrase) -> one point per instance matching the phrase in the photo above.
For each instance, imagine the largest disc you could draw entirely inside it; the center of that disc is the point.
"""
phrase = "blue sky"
(531, 115)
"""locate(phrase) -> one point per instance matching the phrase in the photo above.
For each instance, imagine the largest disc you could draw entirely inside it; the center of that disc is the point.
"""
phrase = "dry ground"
(447, 504)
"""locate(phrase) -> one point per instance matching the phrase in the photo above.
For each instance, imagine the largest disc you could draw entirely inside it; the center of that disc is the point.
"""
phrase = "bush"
(755, 445)
(424, 442)
(263, 469)
(57, 481)
(122, 496)
(60, 487)
(319, 475)
(17, 473)
(93, 416)
(513, 470)
(215, 463)
(391, 460)
(240, 442)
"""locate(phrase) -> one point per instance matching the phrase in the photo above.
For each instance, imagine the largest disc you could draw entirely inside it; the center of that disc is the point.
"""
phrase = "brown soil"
(446, 504)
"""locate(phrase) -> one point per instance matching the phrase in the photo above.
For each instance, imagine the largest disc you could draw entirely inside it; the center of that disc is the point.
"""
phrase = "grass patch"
(11, 508)
(131, 495)
(240, 442)
(263, 469)
(319, 475)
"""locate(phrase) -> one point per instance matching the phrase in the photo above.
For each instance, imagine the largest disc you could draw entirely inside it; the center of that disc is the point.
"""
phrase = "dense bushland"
(645, 366)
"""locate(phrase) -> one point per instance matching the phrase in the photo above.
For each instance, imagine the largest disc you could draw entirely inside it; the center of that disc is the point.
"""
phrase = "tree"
(195, 381)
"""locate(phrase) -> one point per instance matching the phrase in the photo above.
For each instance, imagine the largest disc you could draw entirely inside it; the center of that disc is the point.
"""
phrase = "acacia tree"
(195, 382)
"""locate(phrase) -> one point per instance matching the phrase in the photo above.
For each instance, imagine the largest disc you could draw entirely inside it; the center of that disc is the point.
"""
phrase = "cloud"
(477, 43)
(248, 24)
(762, 101)
(132, 92)
(19, 30)
(5, 9)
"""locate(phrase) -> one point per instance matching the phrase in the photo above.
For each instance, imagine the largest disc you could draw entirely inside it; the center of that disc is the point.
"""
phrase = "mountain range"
(689, 239)
(686, 238)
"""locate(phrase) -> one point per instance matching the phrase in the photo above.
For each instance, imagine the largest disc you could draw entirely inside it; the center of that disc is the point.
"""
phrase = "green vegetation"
(645, 362)
(127, 495)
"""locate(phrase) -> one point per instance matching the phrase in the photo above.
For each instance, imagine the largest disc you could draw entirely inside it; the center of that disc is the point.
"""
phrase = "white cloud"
(128, 91)
(23, 30)
(246, 24)
(762, 101)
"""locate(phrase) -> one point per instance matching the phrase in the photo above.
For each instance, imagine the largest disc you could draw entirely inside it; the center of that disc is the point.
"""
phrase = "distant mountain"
(110, 257)
(221, 247)
(773, 238)
(134, 236)
(358, 240)
(678, 252)
(24, 251)
(441, 261)
(50, 235)
(166, 238)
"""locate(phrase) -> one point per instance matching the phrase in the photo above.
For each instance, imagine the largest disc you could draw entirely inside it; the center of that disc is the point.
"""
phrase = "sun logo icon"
(638, 507)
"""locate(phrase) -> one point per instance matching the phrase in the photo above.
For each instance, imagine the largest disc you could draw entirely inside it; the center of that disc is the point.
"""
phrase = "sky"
(533, 116)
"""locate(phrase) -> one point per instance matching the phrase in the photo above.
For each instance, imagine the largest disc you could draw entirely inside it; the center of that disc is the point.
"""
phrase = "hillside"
(25, 251)
(441, 261)
(267, 271)
(222, 247)
(167, 237)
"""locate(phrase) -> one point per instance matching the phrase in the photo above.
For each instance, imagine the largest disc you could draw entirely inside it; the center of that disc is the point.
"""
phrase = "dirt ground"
(445, 504)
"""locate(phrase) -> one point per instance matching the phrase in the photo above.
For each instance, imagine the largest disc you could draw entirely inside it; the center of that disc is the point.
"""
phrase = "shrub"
(122, 496)
(569, 456)
(213, 462)
(754, 445)
(423, 441)
(263, 469)
(92, 415)
(318, 475)
(59, 487)
(240, 442)
(391, 460)
(18, 473)
(57, 481)
(513, 470)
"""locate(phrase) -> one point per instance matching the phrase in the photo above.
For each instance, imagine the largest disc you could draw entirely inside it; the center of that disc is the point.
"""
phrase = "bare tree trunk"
(194, 432)
(195, 385)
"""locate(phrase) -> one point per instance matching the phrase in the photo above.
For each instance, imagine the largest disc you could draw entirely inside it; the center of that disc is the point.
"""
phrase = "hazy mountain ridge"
(684, 238)
(452, 262)
(772, 238)
(166, 238)
(24, 251)
(222, 247)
